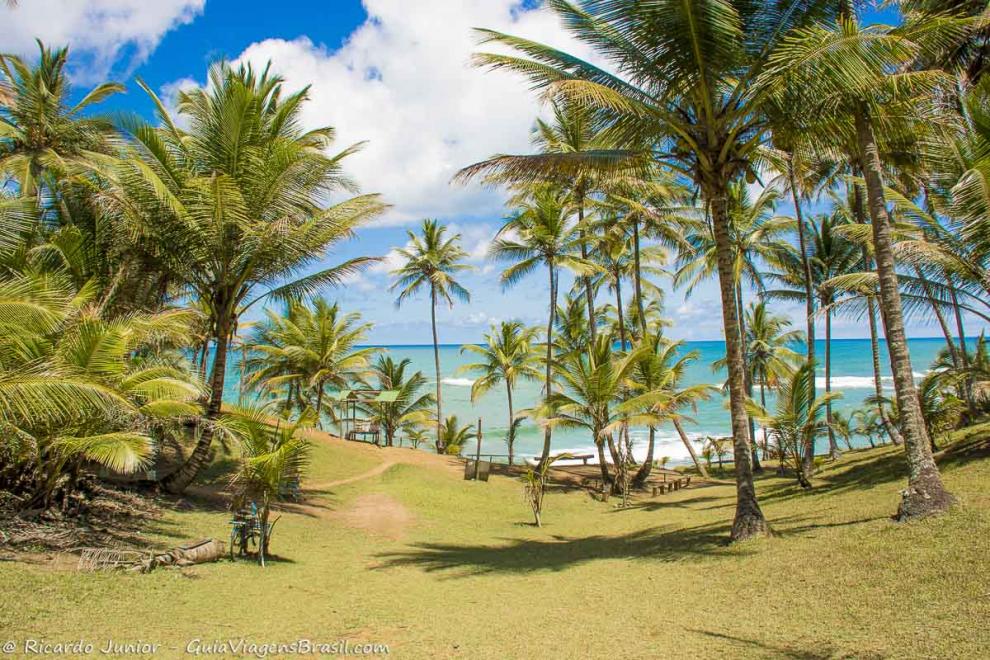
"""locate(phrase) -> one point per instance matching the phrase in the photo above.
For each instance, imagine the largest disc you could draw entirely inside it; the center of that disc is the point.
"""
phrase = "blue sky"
(381, 73)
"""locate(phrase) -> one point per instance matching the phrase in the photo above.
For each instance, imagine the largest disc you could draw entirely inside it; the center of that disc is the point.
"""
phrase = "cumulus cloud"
(101, 33)
(403, 81)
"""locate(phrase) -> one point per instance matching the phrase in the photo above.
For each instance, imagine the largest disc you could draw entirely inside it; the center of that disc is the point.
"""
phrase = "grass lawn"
(434, 566)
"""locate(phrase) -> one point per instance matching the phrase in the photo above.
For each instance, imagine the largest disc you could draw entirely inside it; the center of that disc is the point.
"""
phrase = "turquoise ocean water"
(851, 374)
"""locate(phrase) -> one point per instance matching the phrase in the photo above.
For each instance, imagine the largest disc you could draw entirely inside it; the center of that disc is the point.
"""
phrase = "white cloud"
(403, 81)
(99, 32)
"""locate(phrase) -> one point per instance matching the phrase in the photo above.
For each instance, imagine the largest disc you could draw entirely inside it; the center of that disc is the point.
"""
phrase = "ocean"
(852, 374)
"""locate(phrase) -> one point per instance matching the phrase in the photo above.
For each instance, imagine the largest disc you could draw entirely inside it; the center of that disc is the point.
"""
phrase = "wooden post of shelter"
(477, 457)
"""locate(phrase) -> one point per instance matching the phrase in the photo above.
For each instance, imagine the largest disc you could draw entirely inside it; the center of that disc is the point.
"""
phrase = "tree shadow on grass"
(655, 505)
(558, 553)
(790, 525)
(771, 650)
(868, 471)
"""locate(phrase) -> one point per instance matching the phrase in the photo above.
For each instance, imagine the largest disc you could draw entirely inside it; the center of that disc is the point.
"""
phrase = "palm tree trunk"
(638, 279)
(589, 293)
(833, 446)
(618, 303)
(749, 376)
(925, 494)
(202, 358)
(179, 480)
(749, 520)
(809, 296)
(763, 404)
(939, 316)
(511, 434)
(319, 405)
(436, 364)
(892, 431)
(548, 387)
(963, 352)
(890, 427)
(644, 470)
(602, 463)
(687, 444)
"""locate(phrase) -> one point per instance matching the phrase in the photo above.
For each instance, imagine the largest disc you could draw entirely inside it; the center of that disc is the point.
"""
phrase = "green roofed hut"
(347, 405)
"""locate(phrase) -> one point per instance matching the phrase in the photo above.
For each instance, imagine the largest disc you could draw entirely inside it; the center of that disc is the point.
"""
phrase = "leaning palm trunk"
(925, 493)
(179, 480)
(963, 353)
(749, 520)
(687, 444)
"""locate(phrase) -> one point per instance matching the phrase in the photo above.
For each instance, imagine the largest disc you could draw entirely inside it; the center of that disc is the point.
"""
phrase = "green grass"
(472, 578)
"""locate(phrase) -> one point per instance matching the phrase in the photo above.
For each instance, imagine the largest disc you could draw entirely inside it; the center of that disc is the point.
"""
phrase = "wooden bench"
(584, 458)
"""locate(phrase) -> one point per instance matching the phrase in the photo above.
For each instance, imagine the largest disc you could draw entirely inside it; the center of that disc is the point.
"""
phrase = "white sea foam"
(860, 382)
(457, 382)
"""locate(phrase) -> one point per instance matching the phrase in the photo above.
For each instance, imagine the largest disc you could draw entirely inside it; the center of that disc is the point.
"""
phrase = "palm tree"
(44, 138)
(796, 418)
(410, 410)
(540, 233)
(506, 356)
(661, 370)
(862, 82)
(593, 383)
(831, 255)
(769, 356)
(680, 95)
(310, 347)
(754, 235)
(235, 202)
(432, 261)
(868, 424)
(455, 437)
(620, 259)
(78, 388)
(272, 462)
(571, 136)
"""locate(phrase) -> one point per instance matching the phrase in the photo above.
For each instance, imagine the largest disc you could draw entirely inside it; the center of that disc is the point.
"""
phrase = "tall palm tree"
(539, 233)
(411, 408)
(677, 92)
(831, 255)
(233, 193)
(431, 260)
(621, 258)
(571, 136)
(506, 356)
(44, 137)
(862, 82)
(754, 235)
